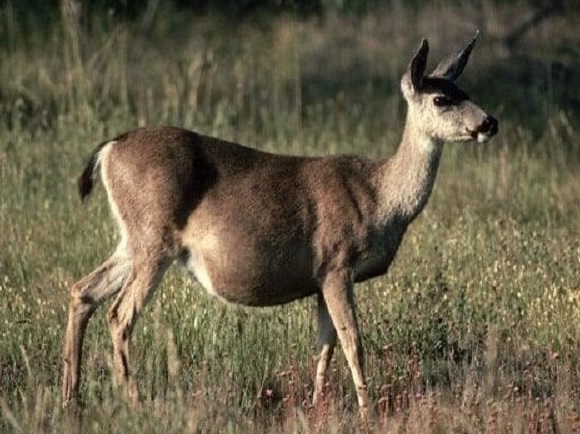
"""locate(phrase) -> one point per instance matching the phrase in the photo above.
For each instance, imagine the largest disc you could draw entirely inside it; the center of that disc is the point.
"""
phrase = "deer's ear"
(453, 65)
(413, 78)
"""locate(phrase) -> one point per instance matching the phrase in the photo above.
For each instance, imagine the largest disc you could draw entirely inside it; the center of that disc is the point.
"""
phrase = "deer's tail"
(86, 181)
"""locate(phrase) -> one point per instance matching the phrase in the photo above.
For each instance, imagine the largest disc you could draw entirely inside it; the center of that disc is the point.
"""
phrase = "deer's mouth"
(482, 136)
(485, 131)
(479, 137)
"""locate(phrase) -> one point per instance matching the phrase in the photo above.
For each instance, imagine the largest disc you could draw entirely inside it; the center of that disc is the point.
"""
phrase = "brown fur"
(260, 229)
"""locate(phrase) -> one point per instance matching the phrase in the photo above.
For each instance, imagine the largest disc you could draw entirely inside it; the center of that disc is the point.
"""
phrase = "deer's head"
(438, 109)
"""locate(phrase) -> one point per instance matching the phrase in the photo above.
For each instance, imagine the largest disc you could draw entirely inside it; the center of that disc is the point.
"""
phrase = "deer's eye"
(442, 101)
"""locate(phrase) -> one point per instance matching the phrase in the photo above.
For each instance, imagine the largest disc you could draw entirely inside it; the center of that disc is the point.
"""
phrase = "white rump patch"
(103, 159)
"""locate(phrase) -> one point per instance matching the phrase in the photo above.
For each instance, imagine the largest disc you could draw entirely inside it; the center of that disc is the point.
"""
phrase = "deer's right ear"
(452, 66)
(413, 78)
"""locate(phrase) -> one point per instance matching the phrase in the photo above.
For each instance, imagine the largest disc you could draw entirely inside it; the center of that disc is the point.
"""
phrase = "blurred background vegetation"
(530, 46)
(132, 9)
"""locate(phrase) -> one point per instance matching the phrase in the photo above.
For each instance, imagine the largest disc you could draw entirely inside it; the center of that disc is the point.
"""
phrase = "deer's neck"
(408, 177)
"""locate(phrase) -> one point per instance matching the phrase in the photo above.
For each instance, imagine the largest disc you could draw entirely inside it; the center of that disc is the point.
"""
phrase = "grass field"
(475, 328)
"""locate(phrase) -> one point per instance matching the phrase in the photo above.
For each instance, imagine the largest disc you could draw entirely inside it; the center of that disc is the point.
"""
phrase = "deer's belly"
(258, 279)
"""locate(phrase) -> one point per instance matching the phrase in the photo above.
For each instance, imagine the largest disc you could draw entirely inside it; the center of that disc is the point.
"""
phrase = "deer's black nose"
(489, 126)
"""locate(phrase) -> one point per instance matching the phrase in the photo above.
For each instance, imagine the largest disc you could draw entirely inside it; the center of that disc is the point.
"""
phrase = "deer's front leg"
(326, 344)
(337, 290)
(145, 277)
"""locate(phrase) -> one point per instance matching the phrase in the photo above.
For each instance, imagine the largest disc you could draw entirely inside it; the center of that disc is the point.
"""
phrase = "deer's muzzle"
(488, 128)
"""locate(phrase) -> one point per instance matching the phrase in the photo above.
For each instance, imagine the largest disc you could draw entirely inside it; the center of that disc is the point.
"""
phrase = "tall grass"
(475, 328)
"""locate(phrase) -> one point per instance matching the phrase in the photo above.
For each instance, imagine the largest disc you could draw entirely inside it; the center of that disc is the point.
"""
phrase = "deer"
(261, 229)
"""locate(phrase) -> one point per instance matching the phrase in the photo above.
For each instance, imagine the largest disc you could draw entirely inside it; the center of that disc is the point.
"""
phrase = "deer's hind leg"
(86, 294)
(147, 272)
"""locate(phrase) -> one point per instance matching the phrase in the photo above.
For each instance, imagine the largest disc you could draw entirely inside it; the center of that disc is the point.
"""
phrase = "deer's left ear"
(412, 81)
(452, 66)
